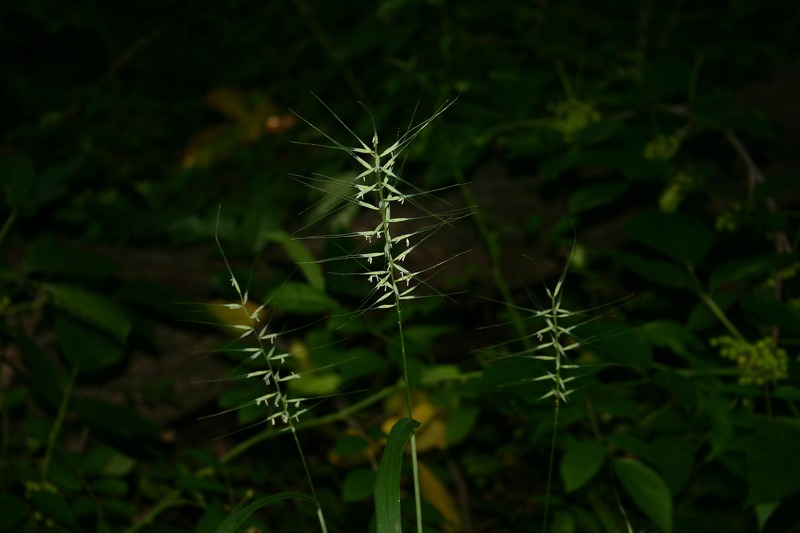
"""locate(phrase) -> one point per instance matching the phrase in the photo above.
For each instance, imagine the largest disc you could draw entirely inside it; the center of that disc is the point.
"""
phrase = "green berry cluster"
(759, 363)
(729, 220)
(573, 116)
(663, 147)
(679, 184)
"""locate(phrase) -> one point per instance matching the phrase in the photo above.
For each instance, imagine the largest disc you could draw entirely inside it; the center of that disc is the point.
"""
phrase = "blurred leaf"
(110, 487)
(647, 489)
(460, 422)
(12, 397)
(154, 297)
(350, 445)
(764, 511)
(241, 400)
(672, 335)
(673, 456)
(661, 272)
(629, 162)
(295, 249)
(617, 342)
(772, 465)
(46, 256)
(27, 192)
(701, 317)
(750, 269)
(12, 511)
(772, 312)
(387, 484)
(19, 179)
(358, 484)
(360, 362)
(106, 461)
(668, 76)
(92, 308)
(86, 348)
(114, 419)
(678, 236)
(53, 506)
(301, 298)
(45, 381)
(435, 492)
(721, 110)
(595, 196)
(580, 464)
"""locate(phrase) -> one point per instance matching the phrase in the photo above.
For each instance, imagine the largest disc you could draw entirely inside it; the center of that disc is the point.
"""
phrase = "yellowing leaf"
(229, 102)
(435, 492)
(432, 429)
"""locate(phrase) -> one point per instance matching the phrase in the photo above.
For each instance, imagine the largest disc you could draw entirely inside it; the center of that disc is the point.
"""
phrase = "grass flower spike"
(380, 191)
(283, 408)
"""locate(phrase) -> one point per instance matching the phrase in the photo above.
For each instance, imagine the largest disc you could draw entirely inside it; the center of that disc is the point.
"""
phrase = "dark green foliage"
(658, 137)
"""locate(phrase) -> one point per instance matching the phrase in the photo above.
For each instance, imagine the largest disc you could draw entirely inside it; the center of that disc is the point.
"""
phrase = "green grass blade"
(387, 485)
(235, 521)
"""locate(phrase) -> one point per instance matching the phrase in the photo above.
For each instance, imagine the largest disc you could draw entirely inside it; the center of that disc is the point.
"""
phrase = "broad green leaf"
(460, 422)
(300, 255)
(49, 257)
(301, 298)
(772, 463)
(595, 196)
(238, 518)
(90, 307)
(358, 484)
(681, 237)
(647, 489)
(664, 273)
(85, 347)
(580, 464)
(387, 484)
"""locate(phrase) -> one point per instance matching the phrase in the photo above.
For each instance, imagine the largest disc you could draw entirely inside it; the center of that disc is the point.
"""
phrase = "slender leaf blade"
(387, 485)
(235, 521)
